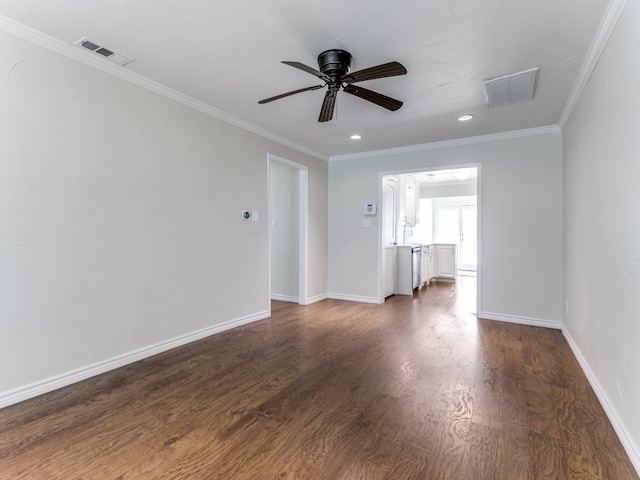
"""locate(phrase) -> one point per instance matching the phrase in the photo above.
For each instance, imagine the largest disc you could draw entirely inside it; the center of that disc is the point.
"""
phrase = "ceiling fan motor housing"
(335, 63)
(335, 66)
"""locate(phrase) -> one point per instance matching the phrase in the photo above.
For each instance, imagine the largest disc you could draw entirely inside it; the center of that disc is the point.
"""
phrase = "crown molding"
(450, 143)
(73, 52)
(608, 23)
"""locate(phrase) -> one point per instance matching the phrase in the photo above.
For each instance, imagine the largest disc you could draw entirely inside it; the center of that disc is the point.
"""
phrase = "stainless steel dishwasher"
(415, 267)
(408, 277)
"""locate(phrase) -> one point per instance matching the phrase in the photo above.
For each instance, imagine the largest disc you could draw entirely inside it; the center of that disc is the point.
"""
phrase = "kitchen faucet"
(405, 232)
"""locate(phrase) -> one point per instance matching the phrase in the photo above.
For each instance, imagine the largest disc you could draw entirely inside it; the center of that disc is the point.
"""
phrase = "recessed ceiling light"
(356, 137)
(462, 174)
(464, 118)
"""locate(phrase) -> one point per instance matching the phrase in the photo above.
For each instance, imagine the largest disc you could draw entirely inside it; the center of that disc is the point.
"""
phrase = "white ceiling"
(227, 55)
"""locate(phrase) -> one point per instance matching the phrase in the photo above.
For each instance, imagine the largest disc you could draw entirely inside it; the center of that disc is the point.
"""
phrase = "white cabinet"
(446, 261)
(431, 262)
(434, 262)
(438, 261)
(424, 266)
(408, 200)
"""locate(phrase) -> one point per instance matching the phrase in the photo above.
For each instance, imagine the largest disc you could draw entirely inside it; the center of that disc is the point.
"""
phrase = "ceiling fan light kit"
(334, 70)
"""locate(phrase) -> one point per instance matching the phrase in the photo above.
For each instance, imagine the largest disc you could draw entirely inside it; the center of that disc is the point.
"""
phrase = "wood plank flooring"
(417, 388)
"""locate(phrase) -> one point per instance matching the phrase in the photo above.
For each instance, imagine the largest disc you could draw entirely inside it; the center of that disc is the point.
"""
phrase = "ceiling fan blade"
(326, 112)
(374, 97)
(390, 69)
(312, 71)
(282, 95)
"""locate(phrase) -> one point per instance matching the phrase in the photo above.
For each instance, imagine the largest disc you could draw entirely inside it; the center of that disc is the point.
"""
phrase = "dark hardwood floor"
(417, 388)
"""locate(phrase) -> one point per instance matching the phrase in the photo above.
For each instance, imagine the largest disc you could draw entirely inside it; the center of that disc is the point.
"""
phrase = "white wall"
(521, 222)
(452, 190)
(285, 229)
(602, 228)
(120, 225)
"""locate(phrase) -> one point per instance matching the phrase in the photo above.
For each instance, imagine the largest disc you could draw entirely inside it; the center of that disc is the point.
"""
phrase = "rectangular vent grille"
(512, 88)
(104, 52)
(89, 45)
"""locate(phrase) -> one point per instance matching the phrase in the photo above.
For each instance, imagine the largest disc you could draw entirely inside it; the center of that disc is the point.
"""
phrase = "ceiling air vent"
(105, 52)
(515, 87)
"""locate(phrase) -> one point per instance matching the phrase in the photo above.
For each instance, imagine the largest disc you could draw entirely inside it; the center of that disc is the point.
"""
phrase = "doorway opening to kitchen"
(430, 230)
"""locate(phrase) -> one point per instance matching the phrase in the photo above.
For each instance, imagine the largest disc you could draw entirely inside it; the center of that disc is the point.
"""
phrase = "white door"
(448, 224)
(458, 224)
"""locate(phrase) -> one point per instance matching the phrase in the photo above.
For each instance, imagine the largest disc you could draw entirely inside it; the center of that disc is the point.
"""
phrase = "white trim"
(303, 224)
(353, 298)
(53, 383)
(381, 256)
(88, 58)
(405, 292)
(317, 298)
(479, 238)
(382, 261)
(532, 322)
(284, 298)
(450, 143)
(632, 450)
(608, 23)
(303, 239)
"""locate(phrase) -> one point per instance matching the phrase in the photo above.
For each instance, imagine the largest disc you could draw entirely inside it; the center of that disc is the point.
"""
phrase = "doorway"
(288, 202)
(431, 191)
(457, 223)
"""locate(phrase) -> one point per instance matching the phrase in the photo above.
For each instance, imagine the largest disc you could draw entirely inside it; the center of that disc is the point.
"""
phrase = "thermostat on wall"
(369, 208)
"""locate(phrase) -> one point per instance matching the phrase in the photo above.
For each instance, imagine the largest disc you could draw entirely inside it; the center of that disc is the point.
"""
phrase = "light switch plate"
(255, 216)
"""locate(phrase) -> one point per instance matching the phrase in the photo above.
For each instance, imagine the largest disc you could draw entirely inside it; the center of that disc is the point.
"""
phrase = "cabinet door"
(446, 261)
(432, 264)
(410, 200)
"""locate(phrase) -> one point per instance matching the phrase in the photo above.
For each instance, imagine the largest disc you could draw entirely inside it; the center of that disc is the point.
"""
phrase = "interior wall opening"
(429, 229)
(288, 187)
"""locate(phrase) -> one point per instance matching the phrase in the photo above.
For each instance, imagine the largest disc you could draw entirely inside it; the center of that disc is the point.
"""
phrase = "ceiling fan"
(334, 71)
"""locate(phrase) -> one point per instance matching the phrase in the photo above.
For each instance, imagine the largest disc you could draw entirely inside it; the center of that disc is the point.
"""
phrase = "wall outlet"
(566, 307)
(246, 214)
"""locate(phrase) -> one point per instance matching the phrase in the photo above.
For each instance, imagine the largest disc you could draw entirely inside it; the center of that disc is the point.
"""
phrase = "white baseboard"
(404, 292)
(532, 322)
(317, 298)
(632, 450)
(284, 298)
(38, 388)
(353, 298)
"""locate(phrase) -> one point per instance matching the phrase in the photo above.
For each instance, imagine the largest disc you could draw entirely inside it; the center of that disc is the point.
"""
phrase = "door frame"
(381, 256)
(303, 226)
(462, 231)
